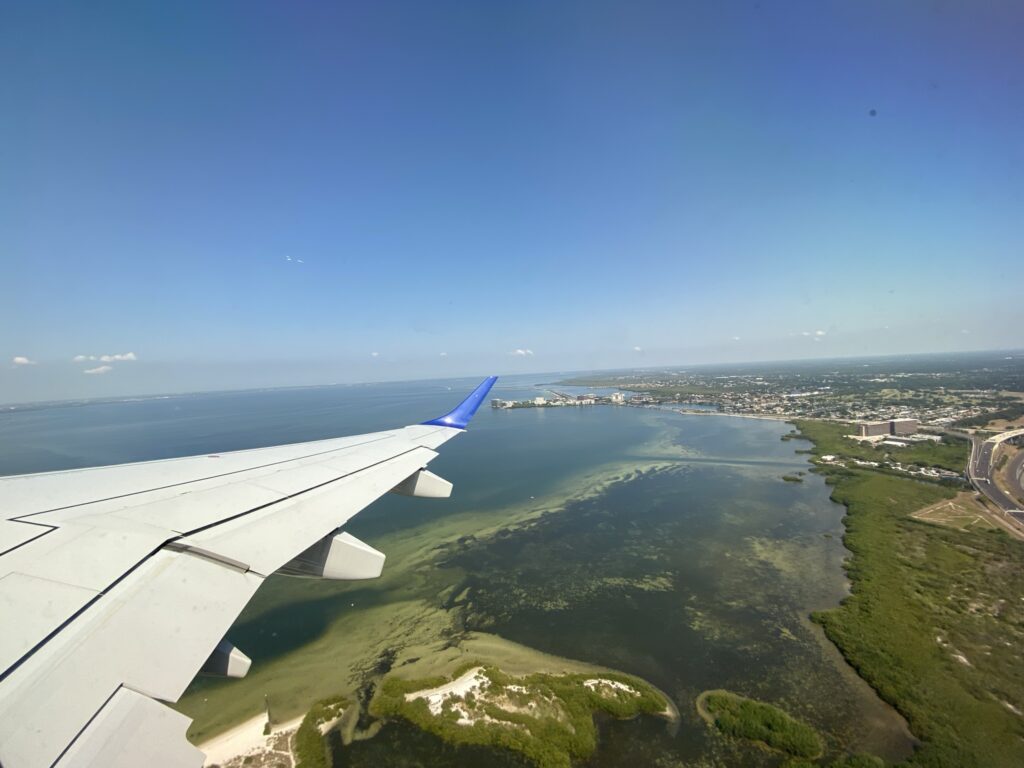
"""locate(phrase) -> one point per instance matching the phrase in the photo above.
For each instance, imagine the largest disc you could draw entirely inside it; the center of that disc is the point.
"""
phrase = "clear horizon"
(473, 376)
(240, 195)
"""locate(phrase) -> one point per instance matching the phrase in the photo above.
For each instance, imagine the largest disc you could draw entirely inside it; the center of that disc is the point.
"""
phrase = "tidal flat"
(663, 546)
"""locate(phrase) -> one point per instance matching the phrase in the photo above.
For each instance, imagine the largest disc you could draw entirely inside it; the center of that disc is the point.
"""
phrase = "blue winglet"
(463, 412)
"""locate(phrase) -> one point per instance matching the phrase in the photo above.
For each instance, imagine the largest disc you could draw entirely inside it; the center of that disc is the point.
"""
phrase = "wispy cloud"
(121, 357)
(21, 360)
(101, 369)
(522, 352)
(819, 333)
(444, 354)
(638, 349)
(375, 354)
(735, 338)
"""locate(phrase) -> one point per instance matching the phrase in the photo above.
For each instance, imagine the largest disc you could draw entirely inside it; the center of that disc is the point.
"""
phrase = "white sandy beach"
(471, 681)
(243, 739)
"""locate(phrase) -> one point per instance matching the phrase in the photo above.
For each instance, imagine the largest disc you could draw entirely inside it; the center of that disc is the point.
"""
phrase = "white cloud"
(805, 333)
(98, 370)
(444, 354)
(375, 354)
(20, 360)
(819, 333)
(522, 352)
(121, 357)
(638, 349)
(735, 338)
(964, 331)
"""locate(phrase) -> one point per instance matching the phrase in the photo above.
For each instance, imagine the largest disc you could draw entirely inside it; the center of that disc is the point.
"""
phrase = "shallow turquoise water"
(700, 576)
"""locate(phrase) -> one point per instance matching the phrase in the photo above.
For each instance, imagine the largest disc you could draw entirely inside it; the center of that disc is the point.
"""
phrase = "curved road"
(1015, 475)
(980, 471)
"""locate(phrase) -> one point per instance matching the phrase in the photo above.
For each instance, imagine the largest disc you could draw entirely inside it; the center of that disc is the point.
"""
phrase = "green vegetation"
(846, 761)
(547, 718)
(830, 438)
(934, 618)
(310, 749)
(1010, 410)
(792, 478)
(745, 718)
(672, 389)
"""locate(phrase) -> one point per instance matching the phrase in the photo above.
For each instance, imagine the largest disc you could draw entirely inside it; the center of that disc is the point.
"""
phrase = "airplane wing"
(118, 584)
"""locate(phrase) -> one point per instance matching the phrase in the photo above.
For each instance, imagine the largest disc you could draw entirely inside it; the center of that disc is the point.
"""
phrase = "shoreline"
(878, 629)
(244, 739)
(355, 639)
(760, 416)
(416, 547)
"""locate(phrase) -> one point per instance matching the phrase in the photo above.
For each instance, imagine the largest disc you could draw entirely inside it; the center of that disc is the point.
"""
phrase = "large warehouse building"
(891, 427)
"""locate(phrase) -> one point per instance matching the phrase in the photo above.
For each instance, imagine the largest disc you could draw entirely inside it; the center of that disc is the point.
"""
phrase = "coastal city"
(918, 420)
(934, 395)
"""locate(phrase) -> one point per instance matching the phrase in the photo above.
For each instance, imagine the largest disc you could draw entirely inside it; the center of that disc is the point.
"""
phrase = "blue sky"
(259, 194)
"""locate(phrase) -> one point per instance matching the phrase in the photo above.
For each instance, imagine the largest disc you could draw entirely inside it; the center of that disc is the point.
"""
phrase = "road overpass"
(981, 471)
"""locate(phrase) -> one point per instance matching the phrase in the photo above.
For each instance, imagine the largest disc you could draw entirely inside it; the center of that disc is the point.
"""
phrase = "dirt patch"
(968, 512)
(962, 512)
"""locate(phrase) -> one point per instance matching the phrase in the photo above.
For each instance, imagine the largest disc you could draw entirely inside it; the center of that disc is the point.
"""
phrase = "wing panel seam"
(24, 657)
(85, 727)
(22, 518)
(48, 526)
(354, 472)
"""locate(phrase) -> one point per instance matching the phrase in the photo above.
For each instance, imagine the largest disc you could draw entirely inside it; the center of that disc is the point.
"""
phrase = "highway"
(980, 471)
(1015, 475)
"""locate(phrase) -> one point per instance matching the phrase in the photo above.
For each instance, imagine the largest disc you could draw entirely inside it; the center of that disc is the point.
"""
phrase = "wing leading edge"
(118, 584)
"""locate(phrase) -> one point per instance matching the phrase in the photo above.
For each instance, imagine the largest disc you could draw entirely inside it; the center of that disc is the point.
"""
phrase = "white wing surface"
(118, 584)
